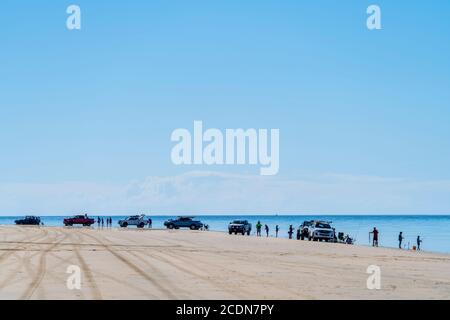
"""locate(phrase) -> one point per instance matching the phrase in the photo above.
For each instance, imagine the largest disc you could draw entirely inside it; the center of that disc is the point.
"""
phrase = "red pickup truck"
(83, 220)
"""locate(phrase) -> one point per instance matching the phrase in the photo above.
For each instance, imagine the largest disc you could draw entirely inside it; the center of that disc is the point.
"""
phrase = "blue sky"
(96, 107)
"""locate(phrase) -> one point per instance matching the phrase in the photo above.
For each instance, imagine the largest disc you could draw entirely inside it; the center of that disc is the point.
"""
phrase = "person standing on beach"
(400, 239)
(98, 222)
(291, 231)
(149, 223)
(267, 230)
(103, 223)
(419, 241)
(277, 228)
(375, 237)
(258, 229)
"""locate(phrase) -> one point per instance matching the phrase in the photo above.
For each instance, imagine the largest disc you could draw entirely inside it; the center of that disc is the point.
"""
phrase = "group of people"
(266, 228)
(375, 235)
(101, 222)
(277, 230)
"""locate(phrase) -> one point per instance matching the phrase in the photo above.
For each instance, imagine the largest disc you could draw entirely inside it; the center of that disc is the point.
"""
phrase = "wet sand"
(184, 264)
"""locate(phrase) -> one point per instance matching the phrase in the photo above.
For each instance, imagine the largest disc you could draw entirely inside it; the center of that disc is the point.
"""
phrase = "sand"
(184, 264)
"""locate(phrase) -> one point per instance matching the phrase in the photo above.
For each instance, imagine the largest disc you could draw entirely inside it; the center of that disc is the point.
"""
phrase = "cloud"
(223, 193)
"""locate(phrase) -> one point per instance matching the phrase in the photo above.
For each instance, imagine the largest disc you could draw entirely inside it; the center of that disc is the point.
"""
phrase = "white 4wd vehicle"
(138, 221)
(320, 230)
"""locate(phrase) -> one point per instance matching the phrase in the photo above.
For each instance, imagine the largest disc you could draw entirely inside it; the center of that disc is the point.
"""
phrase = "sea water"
(434, 230)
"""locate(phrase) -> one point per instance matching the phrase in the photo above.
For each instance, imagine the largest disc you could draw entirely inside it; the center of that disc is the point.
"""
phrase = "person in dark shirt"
(375, 237)
(419, 241)
(291, 231)
(277, 228)
(400, 239)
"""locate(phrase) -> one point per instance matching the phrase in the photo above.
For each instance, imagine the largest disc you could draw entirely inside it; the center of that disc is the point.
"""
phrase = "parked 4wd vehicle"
(83, 220)
(138, 221)
(240, 226)
(321, 230)
(29, 221)
(304, 229)
(183, 222)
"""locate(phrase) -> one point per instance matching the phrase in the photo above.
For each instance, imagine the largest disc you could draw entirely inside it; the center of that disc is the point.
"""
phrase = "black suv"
(183, 222)
(29, 220)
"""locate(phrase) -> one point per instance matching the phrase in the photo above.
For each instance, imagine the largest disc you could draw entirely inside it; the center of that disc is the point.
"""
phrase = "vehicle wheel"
(141, 225)
(230, 232)
(124, 225)
(192, 227)
(170, 226)
(302, 237)
(243, 232)
(248, 232)
(309, 238)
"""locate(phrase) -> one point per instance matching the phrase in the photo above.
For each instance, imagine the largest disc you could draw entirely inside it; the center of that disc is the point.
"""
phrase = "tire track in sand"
(41, 271)
(109, 247)
(96, 293)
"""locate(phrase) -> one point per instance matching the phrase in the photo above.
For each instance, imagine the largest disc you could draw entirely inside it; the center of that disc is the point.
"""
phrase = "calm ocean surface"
(434, 230)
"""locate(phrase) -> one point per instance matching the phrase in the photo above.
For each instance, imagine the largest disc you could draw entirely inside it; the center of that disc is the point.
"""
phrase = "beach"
(184, 264)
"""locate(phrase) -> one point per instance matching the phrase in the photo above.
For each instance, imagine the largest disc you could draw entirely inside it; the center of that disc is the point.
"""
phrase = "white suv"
(320, 230)
(138, 221)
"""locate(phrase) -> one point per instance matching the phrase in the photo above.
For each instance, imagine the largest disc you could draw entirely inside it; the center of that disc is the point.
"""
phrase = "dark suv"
(183, 222)
(29, 220)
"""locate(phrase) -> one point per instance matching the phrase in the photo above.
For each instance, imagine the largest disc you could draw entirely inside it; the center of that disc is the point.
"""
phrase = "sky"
(86, 115)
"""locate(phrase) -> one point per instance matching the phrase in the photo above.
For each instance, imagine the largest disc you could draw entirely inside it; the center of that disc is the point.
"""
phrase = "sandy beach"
(162, 264)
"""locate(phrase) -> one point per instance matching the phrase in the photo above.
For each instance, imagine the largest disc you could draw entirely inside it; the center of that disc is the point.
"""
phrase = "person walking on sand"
(375, 237)
(266, 227)
(149, 223)
(419, 241)
(400, 239)
(258, 229)
(277, 228)
(291, 231)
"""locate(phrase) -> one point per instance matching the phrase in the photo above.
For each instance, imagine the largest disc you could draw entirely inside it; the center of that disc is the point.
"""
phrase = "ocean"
(434, 230)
